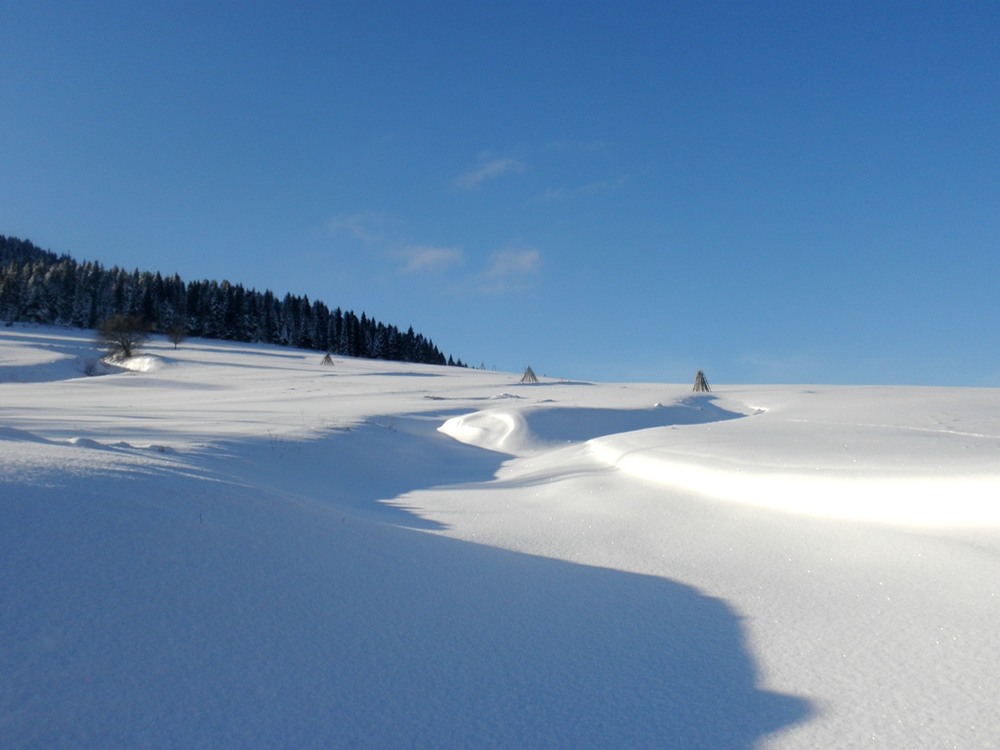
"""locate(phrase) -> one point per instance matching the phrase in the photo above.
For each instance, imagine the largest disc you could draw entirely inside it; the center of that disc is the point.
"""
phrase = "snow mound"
(82, 442)
(142, 363)
(495, 430)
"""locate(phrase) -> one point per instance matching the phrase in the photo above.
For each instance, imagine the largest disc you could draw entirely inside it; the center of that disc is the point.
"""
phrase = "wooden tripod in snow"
(700, 384)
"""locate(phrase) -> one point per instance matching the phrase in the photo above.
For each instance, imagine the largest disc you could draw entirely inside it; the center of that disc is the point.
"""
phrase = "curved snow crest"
(873, 495)
(820, 459)
(531, 429)
(497, 430)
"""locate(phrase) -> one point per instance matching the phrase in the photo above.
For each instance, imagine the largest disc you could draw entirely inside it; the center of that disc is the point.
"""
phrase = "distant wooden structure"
(529, 376)
(701, 384)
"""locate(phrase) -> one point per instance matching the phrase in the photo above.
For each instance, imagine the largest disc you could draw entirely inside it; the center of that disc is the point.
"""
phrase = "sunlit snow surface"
(227, 545)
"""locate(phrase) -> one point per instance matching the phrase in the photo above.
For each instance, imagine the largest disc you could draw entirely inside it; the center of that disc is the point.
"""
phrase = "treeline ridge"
(38, 286)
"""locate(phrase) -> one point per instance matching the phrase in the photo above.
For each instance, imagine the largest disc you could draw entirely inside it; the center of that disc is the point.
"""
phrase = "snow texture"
(234, 546)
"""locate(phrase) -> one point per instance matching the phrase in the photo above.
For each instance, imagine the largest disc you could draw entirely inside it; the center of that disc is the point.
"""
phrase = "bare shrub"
(121, 335)
(176, 334)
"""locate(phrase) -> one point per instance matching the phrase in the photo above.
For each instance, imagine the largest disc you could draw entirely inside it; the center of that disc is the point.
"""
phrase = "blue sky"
(772, 192)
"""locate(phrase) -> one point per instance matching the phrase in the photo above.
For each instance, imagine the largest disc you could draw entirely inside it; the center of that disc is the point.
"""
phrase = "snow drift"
(231, 545)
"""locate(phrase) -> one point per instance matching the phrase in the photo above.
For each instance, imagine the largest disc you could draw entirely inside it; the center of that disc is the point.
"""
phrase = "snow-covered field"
(236, 546)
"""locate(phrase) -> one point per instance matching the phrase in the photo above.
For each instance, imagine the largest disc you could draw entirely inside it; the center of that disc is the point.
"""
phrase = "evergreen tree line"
(38, 286)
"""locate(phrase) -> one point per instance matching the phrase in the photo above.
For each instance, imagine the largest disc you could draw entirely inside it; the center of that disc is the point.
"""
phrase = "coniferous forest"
(38, 286)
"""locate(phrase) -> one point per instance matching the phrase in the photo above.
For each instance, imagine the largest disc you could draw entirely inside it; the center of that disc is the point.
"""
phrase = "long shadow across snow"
(71, 355)
(176, 612)
(358, 469)
(282, 604)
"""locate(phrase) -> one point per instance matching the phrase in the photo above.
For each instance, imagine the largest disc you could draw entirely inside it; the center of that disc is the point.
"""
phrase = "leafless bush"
(122, 335)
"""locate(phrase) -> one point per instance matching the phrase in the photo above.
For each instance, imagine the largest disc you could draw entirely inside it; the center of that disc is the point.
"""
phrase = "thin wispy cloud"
(597, 187)
(369, 227)
(427, 259)
(489, 169)
(510, 270)
(382, 237)
(507, 263)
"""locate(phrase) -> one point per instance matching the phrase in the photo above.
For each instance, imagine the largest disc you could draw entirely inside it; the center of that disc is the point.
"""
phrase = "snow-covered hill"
(237, 546)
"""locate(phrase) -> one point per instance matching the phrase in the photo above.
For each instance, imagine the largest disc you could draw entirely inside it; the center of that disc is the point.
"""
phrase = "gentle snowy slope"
(230, 545)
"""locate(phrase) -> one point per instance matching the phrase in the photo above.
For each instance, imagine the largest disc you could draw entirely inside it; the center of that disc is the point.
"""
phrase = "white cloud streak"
(370, 227)
(598, 187)
(488, 170)
(427, 259)
(510, 271)
(507, 263)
